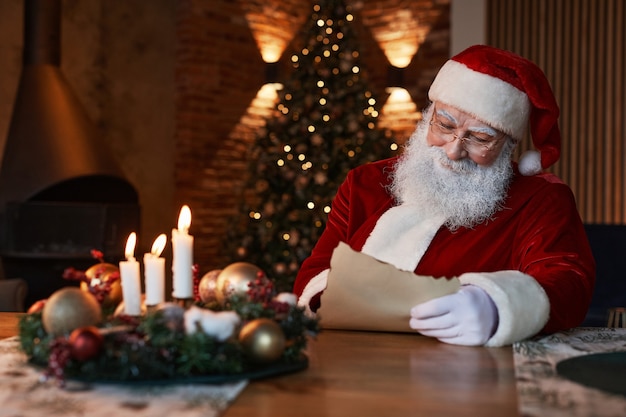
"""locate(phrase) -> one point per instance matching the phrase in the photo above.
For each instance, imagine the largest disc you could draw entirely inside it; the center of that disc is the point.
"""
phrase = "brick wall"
(220, 69)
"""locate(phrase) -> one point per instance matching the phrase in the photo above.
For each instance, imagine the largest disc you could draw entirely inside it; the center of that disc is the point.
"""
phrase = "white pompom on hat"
(507, 92)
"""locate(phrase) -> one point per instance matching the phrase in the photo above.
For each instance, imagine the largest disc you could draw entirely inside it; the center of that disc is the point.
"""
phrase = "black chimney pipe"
(51, 139)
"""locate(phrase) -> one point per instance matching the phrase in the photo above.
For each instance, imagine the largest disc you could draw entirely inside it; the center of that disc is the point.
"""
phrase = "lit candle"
(182, 259)
(154, 271)
(131, 284)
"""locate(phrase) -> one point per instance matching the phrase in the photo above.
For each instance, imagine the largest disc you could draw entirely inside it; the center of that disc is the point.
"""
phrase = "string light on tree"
(325, 123)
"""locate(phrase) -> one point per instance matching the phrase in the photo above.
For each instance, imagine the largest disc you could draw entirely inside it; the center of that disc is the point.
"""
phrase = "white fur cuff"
(523, 306)
(316, 285)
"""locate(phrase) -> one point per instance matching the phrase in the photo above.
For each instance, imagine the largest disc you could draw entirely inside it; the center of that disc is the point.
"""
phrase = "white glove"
(468, 317)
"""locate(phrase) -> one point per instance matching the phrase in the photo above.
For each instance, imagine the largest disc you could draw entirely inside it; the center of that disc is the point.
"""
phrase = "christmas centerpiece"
(235, 325)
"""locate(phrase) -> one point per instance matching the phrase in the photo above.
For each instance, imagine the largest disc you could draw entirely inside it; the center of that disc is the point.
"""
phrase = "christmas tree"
(325, 123)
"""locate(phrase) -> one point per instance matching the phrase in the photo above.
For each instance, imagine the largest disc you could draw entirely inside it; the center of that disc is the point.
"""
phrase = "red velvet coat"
(539, 233)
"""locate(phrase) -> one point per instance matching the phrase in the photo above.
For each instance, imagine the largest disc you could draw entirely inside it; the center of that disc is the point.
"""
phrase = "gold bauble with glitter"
(207, 287)
(262, 340)
(70, 308)
(100, 273)
(234, 280)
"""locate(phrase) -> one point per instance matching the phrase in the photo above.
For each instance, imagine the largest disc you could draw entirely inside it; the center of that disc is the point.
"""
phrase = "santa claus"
(454, 204)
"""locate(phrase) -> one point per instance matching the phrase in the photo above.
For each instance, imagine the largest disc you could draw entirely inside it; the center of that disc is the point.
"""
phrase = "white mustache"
(466, 193)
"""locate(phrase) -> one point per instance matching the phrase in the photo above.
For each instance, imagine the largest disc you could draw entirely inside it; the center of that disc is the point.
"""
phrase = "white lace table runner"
(542, 392)
(23, 394)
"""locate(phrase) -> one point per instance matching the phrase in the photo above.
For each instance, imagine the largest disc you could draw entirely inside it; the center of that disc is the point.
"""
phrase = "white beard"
(465, 193)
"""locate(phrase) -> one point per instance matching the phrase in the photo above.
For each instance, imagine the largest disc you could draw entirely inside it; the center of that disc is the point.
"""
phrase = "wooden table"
(8, 324)
(380, 374)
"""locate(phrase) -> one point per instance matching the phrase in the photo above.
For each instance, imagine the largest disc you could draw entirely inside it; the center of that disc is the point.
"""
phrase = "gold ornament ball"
(234, 280)
(103, 271)
(263, 340)
(70, 308)
(207, 287)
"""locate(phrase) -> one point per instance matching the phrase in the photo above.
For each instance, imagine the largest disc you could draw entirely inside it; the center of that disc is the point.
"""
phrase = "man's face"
(462, 136)
(465, 184)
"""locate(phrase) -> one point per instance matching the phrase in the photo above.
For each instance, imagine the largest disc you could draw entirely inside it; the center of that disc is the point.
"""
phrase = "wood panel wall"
(581, 46)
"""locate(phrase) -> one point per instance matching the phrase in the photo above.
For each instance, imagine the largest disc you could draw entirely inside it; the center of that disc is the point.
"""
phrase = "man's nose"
(455, 150)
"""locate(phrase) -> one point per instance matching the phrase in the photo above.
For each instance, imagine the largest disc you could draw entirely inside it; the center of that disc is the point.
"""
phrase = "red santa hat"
(507, 92)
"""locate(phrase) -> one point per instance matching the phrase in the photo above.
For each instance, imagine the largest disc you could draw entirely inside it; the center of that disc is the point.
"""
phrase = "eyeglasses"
(475, 143)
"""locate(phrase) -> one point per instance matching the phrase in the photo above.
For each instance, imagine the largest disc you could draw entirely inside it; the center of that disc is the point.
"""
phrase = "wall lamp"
(272, 72)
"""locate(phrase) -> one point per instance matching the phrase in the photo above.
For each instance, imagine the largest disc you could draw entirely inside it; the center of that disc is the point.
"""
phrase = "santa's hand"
(467, 317)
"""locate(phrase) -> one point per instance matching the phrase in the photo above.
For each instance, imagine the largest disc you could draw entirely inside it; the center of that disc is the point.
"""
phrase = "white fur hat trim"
(488, 98)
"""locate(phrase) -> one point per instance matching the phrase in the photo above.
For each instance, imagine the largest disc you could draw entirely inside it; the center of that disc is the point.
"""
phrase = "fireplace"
(62, 193)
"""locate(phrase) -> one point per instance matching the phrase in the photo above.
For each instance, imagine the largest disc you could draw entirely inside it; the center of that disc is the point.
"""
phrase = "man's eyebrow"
(444, 113)
(488, 130)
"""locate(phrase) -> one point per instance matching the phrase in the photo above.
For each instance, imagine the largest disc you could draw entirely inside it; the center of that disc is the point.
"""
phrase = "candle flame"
(184, 218)
(159, 245)
(130, 245)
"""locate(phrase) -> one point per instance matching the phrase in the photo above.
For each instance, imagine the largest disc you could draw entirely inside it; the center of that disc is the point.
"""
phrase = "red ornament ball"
(85, 343)
(37, 306)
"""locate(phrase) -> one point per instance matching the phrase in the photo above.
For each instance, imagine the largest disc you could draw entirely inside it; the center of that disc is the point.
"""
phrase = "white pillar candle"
(182, 262)
(131, 284)
(154, 272)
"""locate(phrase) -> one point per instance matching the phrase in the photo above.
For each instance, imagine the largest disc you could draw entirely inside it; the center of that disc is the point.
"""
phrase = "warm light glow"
(159, 245)
(266, 98)
(399, 114)
(258, 112)
(184, 219)
(398, 95)
(273, 26)
(400, 34)
(401, 55)
(129, 252)
(271, 52)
